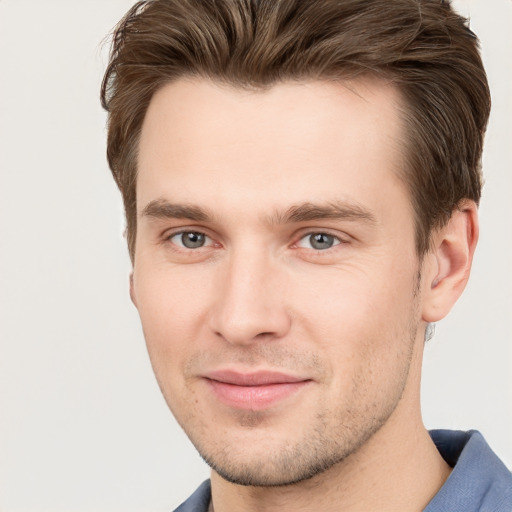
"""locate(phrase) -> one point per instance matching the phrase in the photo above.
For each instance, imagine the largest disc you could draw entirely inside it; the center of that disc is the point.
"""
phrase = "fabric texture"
(199, 500)
(479, 482)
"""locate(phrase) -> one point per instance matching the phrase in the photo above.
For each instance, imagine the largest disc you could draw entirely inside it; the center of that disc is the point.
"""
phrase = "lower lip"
(255, 398)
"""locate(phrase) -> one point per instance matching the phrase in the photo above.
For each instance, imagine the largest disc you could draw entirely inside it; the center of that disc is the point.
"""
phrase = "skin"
(242, 169)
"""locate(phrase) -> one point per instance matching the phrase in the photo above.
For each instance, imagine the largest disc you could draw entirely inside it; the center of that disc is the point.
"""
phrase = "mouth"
(253, 391)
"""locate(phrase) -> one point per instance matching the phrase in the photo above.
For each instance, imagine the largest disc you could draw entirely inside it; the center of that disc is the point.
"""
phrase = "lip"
(253, 391)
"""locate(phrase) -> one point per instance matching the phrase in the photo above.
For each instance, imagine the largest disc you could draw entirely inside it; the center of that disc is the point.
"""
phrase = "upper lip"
(258, 378)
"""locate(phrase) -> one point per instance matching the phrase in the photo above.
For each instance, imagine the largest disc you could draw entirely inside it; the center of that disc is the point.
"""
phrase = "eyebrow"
(163, 209)
(333, 210)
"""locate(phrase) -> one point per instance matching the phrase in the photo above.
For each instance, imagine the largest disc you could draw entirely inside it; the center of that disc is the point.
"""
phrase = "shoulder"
(198, 501)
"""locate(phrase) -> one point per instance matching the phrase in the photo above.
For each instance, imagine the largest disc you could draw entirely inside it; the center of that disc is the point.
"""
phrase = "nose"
(251, 301)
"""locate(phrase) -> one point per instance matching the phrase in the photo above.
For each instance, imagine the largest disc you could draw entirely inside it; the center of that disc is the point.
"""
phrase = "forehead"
(295, 142)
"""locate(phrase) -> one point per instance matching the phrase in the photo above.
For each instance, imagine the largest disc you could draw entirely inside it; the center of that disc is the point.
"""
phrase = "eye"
(318, 241)
(190, 239)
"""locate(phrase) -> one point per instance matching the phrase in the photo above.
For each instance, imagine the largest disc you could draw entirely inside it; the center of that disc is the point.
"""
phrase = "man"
(301, 182)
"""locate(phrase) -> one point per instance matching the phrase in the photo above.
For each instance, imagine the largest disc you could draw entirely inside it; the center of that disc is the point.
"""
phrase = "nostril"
(259, 336)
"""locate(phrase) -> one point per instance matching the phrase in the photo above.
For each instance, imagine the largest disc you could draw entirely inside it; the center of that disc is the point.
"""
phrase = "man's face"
(275, 271)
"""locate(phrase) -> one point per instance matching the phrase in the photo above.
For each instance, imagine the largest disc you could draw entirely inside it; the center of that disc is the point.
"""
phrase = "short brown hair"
(422, 46)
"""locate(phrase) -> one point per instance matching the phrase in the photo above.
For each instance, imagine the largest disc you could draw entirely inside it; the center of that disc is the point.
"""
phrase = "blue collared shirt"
(479, 482)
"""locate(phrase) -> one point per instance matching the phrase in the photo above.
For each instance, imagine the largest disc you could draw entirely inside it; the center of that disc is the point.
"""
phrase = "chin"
(262, 463)
(271, 473)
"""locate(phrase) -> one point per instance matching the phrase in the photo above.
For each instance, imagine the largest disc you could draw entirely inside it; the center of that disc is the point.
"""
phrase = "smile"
(254, 391)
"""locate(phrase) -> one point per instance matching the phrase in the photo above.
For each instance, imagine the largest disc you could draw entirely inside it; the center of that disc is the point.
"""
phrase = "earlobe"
(450, 261)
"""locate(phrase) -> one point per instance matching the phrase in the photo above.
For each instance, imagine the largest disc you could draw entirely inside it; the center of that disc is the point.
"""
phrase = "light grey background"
(82, 424)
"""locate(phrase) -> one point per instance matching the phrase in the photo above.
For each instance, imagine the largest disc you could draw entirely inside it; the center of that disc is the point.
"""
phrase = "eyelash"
(296, 245)
(336, 240)
(170, 236)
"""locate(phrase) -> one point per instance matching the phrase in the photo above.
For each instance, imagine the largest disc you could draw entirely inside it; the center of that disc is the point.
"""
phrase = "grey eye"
(189, 239)
(321, 241)
(318, 241)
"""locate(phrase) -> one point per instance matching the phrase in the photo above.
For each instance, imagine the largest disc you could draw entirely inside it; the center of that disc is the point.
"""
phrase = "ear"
(449, 262)
(132, 291)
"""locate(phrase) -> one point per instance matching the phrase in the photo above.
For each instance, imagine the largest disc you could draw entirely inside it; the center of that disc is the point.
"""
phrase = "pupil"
(192, 240)
(321, 241)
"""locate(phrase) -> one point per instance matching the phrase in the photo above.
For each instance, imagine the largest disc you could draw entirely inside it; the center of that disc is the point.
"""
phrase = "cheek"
(360, 320)
(364, 334)
(353, 300)
(171, 306)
